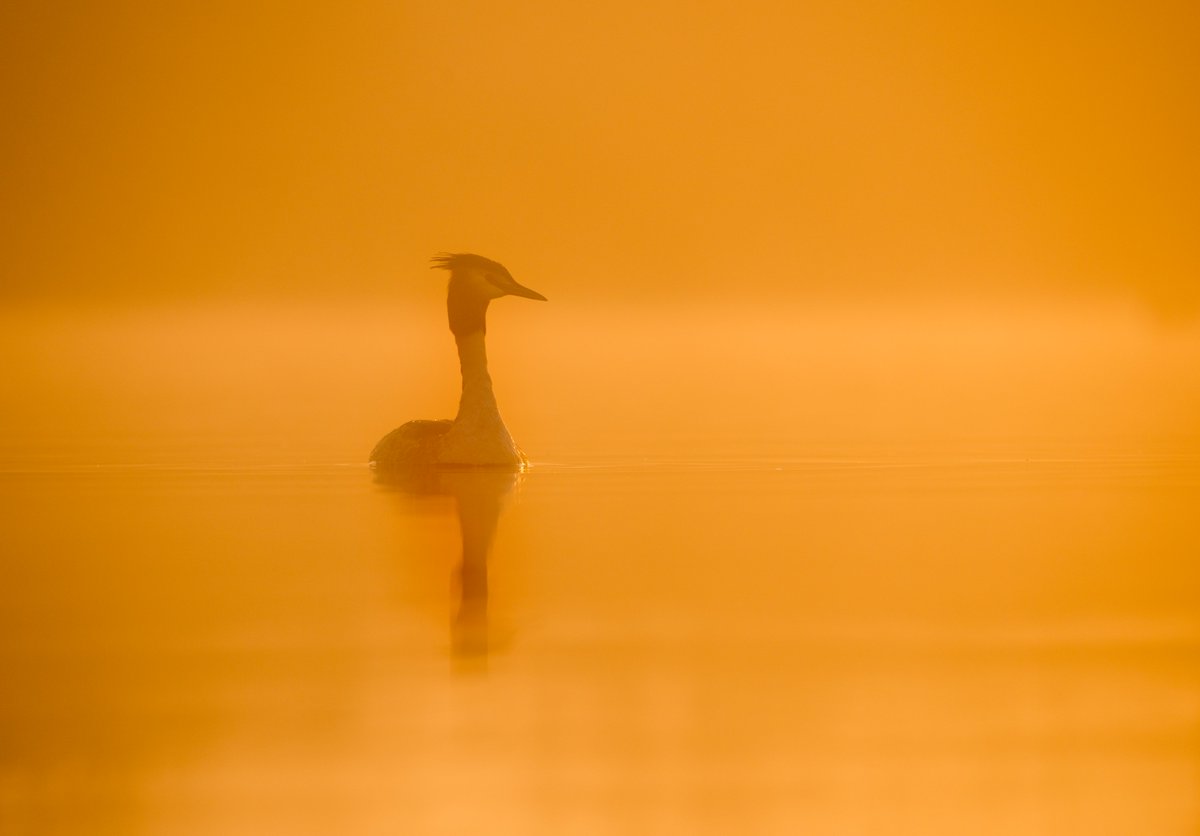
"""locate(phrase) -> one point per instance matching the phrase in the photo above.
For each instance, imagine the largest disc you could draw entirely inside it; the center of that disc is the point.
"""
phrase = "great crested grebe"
(477, 435)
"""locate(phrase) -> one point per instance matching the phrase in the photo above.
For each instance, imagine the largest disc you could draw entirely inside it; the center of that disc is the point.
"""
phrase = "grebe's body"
(477, 435)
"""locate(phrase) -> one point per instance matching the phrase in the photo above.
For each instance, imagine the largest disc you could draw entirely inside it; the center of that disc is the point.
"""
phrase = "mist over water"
(252, 384)
(864, 419)
(767, 563)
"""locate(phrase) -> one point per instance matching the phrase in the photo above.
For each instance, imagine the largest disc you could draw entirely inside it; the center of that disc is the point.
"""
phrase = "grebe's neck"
(467, 312)
(478, 435)
(477, 395)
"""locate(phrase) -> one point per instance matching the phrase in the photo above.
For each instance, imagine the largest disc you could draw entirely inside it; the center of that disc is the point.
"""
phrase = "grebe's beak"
(521, 290)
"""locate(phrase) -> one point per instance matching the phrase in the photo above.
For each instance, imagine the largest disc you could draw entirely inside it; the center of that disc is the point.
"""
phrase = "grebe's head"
(481, 278)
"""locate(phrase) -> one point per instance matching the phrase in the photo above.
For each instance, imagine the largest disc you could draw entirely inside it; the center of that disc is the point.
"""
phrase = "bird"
(477, 436)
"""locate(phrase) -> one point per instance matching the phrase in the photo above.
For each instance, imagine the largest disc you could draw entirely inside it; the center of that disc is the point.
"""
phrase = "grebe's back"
(415, 444)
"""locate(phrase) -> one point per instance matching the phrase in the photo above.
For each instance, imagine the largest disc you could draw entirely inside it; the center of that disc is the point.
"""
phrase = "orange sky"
(625, 151)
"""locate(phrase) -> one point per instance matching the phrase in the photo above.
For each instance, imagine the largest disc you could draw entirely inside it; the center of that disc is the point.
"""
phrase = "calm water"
(706, 613)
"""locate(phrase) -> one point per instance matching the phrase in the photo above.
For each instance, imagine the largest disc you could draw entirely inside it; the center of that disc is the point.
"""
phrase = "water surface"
(714, 612)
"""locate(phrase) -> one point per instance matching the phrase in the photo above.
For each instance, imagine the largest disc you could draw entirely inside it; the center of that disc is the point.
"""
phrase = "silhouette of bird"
(477, 435)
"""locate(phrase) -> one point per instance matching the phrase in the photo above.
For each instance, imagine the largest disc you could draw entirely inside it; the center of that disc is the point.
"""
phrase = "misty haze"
(845, 484)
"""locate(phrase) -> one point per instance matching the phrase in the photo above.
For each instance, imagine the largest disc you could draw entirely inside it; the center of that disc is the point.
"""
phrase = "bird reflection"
(479, 494)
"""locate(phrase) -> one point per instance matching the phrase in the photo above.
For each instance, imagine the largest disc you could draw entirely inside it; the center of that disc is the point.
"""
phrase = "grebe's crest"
(468, 261)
